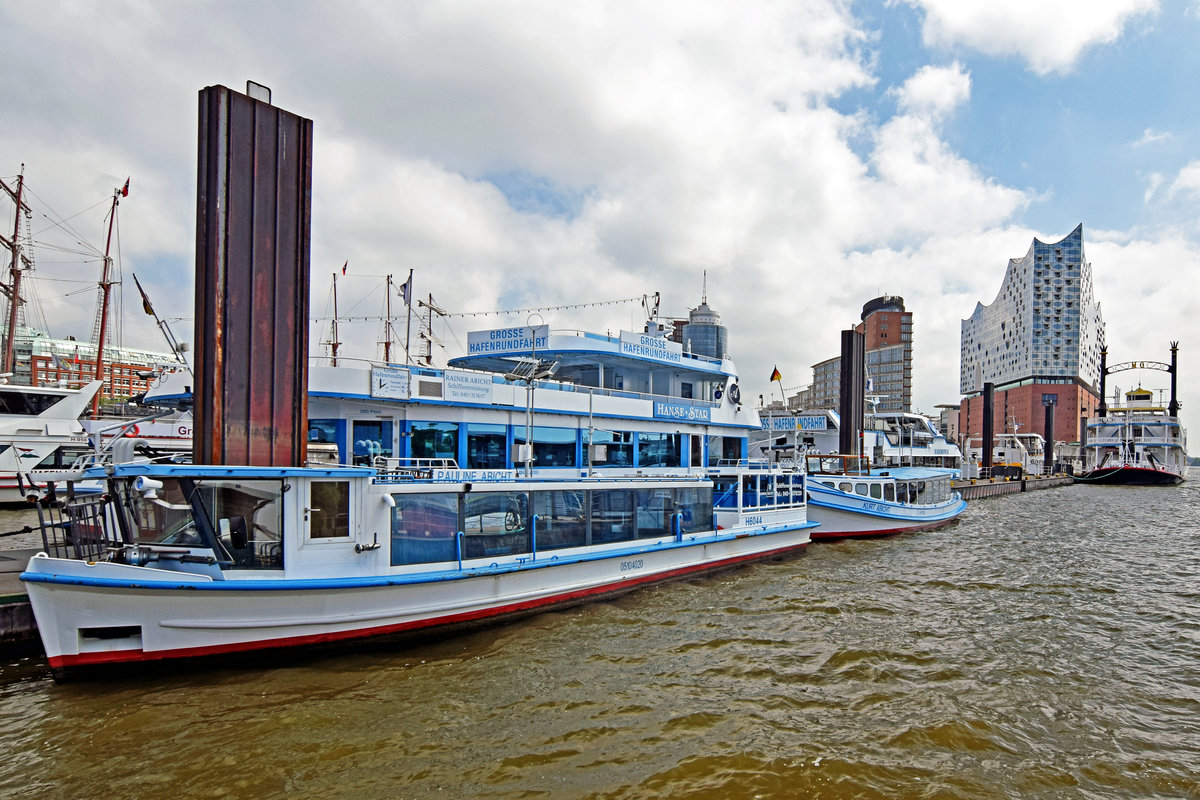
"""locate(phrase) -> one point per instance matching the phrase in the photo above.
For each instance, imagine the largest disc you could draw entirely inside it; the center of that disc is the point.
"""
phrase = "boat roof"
(503, 349)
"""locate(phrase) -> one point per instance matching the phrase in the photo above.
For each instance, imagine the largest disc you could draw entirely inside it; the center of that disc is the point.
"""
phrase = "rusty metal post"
(253, 211)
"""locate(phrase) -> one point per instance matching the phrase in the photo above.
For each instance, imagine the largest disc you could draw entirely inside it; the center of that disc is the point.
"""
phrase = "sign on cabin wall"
(809, 423)
(663, 410)
(390, 382)
(641, 345)
(467, 387)
(508, 341)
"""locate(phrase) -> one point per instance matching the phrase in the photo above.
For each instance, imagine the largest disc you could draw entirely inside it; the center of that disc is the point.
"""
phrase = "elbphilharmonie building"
(1041, 335)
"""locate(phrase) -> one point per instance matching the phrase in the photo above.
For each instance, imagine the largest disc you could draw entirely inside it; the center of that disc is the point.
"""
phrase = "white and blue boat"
(848, 498)
(901, 482)
(460, 496)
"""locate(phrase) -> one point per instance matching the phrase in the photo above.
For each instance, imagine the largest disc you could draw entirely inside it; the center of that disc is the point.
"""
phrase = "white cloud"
(1049, 35)
(1187, 182)
(935, 90)
(1151, 136)
(682, 137)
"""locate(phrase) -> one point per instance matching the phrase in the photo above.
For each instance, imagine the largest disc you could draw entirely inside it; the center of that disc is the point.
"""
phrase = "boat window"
(876, 491)
(725, 493)
(329, 509)
(750, 498)
(561, 519)
(901, 492)
(618, 448)
(654, 509)
(659, 450)
(613, 515)
(26, 403)
(486, 446)
(724, 449)
(695, 507)
(552, 447)
(327, 432)
(435, 440)
(860, 489)
(495, 524)
(372, 439)
(889, 493)
(245, 516)
(61, 457)
(846, 486)
(423, 528)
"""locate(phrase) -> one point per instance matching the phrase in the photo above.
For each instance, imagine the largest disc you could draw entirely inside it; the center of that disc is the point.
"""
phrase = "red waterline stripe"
(125, 656)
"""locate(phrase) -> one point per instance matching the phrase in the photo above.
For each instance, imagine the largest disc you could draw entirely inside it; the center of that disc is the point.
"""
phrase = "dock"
(17, 626)
(978, 488)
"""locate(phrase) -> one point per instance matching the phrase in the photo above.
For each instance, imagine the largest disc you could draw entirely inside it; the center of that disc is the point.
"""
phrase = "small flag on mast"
(406, 290)
(345, 265)
(775, 375)
(125, 189)
(149, 309)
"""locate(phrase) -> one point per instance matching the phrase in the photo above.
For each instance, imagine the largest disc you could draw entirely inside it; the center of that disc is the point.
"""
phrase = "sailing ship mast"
(13, 289)
(105, 290)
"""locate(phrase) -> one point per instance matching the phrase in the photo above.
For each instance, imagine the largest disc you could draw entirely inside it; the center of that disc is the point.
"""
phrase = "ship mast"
(333, 333)
(105, 289)
(14, 270)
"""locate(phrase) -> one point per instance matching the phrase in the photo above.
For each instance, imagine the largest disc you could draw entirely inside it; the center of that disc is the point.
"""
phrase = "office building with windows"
(1037, 342)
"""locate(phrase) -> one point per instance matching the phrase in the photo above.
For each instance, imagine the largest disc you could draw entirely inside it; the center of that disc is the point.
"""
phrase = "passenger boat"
(460, 496)
(40, 433)
(908, 490)
(1138, 443)
(847, 498)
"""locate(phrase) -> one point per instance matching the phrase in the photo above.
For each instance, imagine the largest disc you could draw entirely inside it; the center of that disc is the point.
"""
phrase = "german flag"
(776, 376)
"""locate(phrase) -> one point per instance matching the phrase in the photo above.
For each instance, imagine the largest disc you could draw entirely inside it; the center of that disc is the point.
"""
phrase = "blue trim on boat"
(284, 584)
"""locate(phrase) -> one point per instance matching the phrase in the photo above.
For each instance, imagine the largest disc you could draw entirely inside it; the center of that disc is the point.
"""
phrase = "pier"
(979, 488)
(17, 626)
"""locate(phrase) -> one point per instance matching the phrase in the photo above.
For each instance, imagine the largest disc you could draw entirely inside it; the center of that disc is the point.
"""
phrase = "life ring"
(735, 394)
(132, 430)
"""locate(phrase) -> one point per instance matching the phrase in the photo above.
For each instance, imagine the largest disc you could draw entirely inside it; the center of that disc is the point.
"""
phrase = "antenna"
(704, 288)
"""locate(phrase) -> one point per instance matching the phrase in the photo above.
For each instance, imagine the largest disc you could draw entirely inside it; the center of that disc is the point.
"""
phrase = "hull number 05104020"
(637, 563)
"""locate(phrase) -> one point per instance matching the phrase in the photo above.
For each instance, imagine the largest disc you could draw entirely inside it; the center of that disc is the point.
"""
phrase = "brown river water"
(1046, 645)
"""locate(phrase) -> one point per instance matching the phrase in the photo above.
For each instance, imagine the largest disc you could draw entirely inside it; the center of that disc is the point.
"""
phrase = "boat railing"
(1120, 441)
(79, 527)
(741, 464)
(411, 468)
(837, 464)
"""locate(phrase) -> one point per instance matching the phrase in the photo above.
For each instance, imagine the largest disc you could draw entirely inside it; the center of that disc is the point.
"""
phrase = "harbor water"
(1046, 645)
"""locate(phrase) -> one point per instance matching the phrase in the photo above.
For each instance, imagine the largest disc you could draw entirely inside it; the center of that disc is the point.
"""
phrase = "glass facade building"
(1043, 326)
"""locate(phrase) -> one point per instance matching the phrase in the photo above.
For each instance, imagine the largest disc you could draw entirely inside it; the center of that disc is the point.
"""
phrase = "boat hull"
(108, 613)
(841, 516)
(1130, 476)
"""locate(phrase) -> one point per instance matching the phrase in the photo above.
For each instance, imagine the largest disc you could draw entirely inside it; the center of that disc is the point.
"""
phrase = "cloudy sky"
(808, 155)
